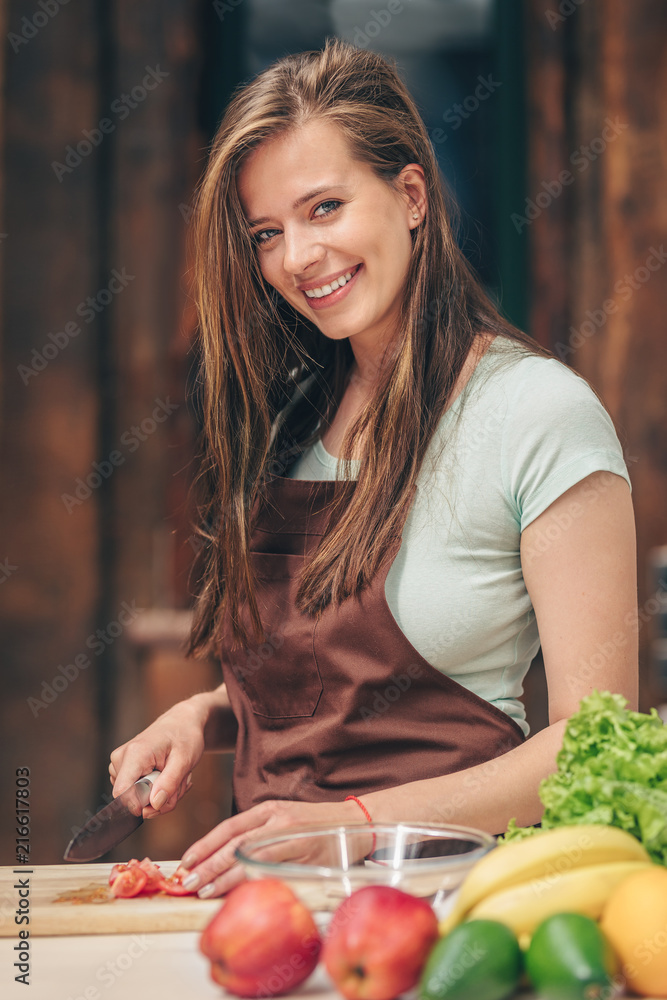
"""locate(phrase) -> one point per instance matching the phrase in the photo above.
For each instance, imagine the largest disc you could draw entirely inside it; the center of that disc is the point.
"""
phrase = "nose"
(301, 250)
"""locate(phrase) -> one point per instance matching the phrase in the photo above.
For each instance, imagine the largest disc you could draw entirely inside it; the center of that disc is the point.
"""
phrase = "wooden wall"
(94, 544)
(597, 106)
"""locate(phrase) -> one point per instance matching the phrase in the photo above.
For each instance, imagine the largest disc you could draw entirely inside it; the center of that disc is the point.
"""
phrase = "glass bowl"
(324, 864)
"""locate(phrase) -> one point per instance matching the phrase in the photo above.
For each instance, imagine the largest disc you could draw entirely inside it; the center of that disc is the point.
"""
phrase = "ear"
(412, 185)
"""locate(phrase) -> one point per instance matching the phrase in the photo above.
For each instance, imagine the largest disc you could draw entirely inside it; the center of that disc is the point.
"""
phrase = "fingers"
(223, 883)
(134, 760)
(171, 784)
(211, 860)
(131, 762)
(223, 833)
(217, 875)
(173, 745)
(185, 786)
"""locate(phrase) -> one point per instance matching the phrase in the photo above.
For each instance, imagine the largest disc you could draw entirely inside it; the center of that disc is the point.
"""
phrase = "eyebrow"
(301, 201)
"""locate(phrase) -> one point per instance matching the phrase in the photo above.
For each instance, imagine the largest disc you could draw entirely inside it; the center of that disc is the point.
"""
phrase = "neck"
(366, 366)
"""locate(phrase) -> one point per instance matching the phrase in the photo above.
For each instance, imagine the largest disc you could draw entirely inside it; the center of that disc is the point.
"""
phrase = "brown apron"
(343, 704)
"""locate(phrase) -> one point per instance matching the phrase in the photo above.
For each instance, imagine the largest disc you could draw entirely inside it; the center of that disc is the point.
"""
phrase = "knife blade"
(113, 823)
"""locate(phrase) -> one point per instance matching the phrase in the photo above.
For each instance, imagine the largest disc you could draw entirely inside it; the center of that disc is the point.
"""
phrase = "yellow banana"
(583, 890)
(543, 855)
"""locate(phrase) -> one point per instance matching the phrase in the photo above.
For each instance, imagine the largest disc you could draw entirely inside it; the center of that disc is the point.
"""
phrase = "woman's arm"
(174, 744)
(579, 565)
(220, 727)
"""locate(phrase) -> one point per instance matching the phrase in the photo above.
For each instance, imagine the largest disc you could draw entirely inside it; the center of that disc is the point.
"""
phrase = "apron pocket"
(279, 677)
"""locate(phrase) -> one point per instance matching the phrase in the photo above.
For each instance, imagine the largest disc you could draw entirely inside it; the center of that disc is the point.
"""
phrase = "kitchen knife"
(113, 823)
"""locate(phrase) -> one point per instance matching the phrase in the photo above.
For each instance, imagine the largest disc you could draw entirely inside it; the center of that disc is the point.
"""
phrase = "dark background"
(97, 436)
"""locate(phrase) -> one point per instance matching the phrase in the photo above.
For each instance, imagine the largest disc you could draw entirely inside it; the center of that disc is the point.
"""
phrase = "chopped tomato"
(174, 886)
(129, 882)
(144, 878)
(117, 869)
(154, 876)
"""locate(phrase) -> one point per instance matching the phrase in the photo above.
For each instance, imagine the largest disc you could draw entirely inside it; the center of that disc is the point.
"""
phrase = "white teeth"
(319, 293)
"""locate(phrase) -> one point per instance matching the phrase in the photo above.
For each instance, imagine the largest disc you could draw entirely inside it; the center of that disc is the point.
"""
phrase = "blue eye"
(259, 237)
(329, 212)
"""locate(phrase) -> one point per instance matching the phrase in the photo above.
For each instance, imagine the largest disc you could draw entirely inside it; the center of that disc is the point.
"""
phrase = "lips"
(337, 295)
(328, 281)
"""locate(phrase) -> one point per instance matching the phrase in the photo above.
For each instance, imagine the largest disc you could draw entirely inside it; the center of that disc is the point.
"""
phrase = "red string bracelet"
(366, 814)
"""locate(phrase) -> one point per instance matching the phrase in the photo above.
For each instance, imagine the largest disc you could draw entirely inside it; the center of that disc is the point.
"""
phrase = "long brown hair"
(256, 349)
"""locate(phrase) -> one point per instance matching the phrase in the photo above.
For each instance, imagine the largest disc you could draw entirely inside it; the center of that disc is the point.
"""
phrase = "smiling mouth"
(325, 290)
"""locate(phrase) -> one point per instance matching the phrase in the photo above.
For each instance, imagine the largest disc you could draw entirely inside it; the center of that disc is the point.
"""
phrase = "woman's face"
(316, 215)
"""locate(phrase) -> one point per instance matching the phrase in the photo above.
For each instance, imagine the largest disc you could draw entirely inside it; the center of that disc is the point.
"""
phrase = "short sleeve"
(556, 433)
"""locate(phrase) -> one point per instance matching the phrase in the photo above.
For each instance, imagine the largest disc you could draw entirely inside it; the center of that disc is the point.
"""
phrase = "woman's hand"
(209, 864)
(173, 744)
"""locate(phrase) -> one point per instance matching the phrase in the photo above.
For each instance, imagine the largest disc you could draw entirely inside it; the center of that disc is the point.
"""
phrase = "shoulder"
(555, 431)
(514, 366)
(542, 394)
(529, 389)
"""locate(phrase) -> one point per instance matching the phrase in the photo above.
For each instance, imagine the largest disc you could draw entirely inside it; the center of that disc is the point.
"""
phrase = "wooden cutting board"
(141, 914)
(118, 916)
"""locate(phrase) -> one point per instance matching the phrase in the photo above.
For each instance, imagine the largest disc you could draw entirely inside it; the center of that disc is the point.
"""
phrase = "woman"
(375, 617)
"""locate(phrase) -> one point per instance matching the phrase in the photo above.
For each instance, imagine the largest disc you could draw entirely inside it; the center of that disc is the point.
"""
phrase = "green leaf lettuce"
(612, 769)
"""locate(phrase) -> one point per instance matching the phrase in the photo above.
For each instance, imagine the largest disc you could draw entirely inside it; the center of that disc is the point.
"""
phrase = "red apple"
(378, 942)
(262, 942)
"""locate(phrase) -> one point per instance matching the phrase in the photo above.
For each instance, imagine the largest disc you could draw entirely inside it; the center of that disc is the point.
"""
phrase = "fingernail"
(191, 881)
(206, 890)
(188, 861)
(188, 780)
(159, 799)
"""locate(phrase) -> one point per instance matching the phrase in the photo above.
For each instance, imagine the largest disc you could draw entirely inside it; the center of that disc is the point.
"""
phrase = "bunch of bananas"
(568, 869)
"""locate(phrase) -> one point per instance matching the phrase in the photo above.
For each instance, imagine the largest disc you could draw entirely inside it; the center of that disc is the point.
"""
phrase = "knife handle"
(151, 777)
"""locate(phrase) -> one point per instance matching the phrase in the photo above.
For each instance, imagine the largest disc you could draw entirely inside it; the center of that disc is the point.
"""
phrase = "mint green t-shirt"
(524, 430)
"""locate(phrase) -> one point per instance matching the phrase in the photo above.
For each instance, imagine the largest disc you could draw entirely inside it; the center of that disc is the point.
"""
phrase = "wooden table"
(166, 966)
(135, 949)
(106, 954)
